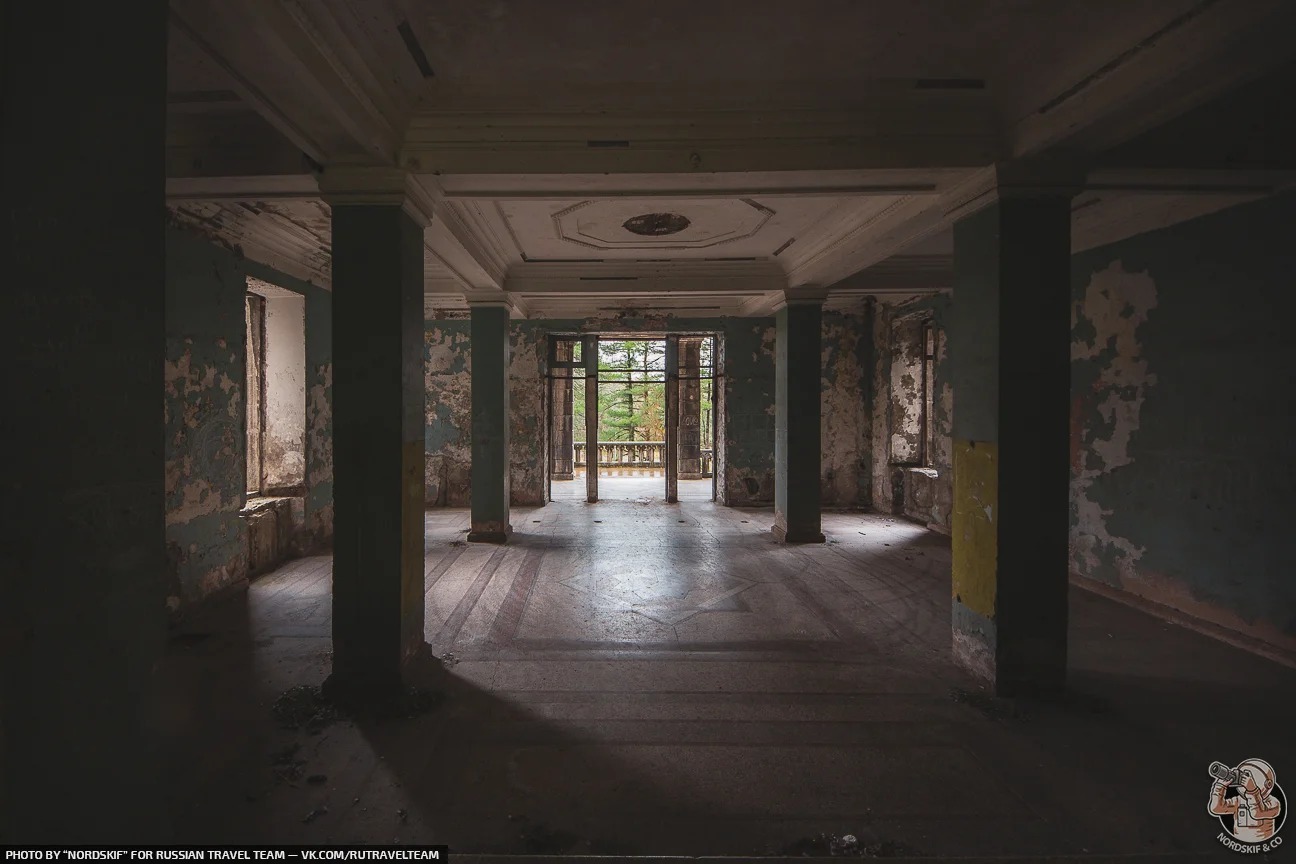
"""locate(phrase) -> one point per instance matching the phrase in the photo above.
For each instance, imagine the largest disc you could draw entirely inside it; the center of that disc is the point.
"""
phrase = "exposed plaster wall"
(847, 419)
(922, 494)
(528, 404)
(748, 433)
(448, 432)
(1181, 477)
(313, 520)
(203, 416)
(285, 390)
(747, 420)
(205, 424)
(317, 533)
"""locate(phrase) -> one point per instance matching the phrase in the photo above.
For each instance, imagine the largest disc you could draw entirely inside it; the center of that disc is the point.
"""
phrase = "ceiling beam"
(1209, 48)
(248, 91)
(899, 129)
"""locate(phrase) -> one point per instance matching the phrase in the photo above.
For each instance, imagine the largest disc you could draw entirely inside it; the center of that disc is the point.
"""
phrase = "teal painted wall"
(204, 415)
(747, 433)
(1182, 475)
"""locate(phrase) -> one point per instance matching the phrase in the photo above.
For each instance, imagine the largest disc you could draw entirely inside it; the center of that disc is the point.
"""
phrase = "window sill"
(927, 472)
(261, 503)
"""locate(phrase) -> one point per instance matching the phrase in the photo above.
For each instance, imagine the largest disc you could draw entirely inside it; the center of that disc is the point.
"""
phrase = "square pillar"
(797, 392)
(690, 408)
(82, 615)
(561, 409)
(489, 342)
(378, 420)
(1009, 343)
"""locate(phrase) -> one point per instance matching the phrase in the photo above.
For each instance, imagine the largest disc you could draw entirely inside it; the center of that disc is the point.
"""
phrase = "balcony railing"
(636, 454)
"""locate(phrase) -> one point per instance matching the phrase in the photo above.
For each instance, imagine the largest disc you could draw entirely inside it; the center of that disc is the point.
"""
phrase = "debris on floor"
(304, 707)
(992, 707)
(449, 660)
(285, 765)
(315, 814)
(845, 846)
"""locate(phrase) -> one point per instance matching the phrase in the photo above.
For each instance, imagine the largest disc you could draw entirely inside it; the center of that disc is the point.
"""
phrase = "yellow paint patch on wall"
(975, 524)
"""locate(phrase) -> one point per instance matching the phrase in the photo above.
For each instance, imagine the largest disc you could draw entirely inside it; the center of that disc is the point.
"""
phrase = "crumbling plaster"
(203, 410)
(846, 409)
(923, 494)
(1179, 410)
(203, 416)
(746, 444)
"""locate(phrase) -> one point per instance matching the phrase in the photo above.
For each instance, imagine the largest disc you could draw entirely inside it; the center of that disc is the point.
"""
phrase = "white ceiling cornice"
(377, 184)
(264, 187)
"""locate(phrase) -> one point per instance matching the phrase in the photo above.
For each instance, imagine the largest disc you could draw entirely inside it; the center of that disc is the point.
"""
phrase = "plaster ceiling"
(718, 228)
(803, 143)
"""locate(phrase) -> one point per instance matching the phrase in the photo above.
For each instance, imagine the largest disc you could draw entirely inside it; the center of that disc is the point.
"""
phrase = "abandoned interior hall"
(633, 430)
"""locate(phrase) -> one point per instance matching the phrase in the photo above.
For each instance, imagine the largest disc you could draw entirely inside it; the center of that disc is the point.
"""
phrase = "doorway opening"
(633, 417)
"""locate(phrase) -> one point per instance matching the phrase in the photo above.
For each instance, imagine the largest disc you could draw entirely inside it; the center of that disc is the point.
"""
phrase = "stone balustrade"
(634, 454)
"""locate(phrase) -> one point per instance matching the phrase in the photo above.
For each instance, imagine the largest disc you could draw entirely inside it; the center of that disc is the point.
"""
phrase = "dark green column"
(489, 341)
(1009, 345)
(378, 448)
(797, 387)
(82, 615)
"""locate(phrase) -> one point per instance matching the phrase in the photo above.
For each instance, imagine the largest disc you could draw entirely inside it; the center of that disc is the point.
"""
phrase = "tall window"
(255, 392)
(928, 393)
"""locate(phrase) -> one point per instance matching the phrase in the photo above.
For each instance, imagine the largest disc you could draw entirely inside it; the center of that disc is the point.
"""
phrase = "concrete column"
(1009, 344)
(797, 385)
(82, 621)
(690, 408)
(489, 340)
(378, 420)
(560, 432)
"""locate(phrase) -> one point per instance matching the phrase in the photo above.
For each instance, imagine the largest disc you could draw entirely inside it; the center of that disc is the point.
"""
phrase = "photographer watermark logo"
(1250, 805)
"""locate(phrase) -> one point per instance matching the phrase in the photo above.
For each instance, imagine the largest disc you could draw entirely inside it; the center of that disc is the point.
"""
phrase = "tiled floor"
(666, 679)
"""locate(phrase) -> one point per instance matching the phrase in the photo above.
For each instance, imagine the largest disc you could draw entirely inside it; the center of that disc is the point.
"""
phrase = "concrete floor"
(666, 679)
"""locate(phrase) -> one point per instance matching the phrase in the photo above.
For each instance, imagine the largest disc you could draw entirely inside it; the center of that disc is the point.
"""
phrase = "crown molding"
(1008, 180)
(377, 184)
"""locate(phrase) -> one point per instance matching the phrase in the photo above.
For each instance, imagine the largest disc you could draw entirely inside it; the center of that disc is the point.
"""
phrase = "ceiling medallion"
(655, 224)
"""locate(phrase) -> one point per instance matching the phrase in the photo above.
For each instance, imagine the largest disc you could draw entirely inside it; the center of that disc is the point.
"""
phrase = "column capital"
(802, 295)
(1057, 178)
(376, 184)
(478, 298)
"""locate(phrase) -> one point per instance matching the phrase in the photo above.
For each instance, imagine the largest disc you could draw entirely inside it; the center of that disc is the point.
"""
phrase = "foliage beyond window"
(632, 391)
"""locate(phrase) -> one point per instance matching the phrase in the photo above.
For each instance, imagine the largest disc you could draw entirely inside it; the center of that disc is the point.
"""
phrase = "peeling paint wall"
(312, 522)
(204, 405)
(317, 533)
(528, 404)
(1181, 477)
(203, 415)
(925, 494)
(285, 392)
(747, 409)
(748, 477)
(448, 431)
(846, 409)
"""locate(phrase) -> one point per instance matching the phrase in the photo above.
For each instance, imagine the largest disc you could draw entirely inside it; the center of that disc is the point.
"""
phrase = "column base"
(692, 476)
(1020, 667)
(562, 476)
(490, 533)
(797, 535)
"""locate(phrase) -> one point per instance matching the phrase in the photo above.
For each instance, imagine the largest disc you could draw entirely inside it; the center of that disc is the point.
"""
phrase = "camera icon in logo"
(1249, 803)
